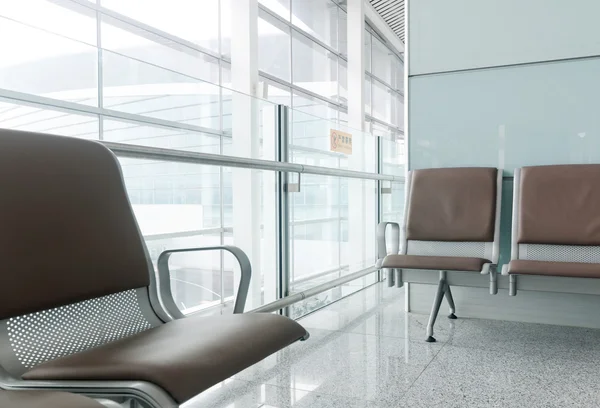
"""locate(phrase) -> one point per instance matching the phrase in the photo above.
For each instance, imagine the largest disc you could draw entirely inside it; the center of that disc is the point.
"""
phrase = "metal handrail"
(182, 156)
(300, 296)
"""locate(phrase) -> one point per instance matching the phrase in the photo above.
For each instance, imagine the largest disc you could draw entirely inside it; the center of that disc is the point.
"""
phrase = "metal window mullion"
(283, 206)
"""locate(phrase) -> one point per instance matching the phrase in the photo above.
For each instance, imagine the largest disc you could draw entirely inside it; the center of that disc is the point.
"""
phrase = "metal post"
(435, 309)
(493, 281)
(283, 206)
(512, 285)
(398, 277)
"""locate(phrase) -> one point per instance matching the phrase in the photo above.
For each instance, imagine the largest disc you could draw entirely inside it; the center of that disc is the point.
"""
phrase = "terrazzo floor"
(365, 352)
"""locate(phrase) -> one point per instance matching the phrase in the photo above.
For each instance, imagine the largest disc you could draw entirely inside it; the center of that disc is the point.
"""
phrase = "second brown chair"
(451, 223)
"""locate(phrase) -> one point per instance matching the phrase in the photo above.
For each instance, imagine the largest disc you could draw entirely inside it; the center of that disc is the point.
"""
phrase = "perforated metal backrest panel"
(43, 336)
(463, 249)
(559, 253)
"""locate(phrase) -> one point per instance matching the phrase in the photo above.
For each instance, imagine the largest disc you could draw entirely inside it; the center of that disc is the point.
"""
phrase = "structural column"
(246, 143)
(357, 189)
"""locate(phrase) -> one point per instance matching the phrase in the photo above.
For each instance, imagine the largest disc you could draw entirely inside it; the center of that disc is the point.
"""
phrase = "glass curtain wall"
(157, 73)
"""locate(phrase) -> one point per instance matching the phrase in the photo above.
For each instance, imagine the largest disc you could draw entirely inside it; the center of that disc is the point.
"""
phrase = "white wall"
(459, 34)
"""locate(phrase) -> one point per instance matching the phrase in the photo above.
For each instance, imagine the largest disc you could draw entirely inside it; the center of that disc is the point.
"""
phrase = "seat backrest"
(453, 212)
(556, 213)
(74, 267)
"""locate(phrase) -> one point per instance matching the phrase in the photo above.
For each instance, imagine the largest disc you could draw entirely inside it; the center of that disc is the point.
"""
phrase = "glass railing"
(147, 110)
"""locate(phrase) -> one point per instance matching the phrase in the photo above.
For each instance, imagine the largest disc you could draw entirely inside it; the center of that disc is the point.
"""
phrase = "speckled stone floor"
(365, 352)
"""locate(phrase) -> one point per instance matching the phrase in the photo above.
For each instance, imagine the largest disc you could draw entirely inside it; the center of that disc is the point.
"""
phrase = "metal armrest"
(382, 249)
(381, 242)
(164, 277)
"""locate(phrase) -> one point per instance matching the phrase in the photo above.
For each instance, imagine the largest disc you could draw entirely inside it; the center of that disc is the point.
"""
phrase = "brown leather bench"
(80, 306)
(45, 399)
(556, 222)
(452, 223)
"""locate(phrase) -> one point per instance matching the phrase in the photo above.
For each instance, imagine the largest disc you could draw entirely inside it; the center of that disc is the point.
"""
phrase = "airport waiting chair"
(451, 223)
(81, 308)
(45, 399)
(556, 223)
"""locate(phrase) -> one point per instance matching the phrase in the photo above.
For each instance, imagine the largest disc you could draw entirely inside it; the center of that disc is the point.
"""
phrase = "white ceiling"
(392, 11)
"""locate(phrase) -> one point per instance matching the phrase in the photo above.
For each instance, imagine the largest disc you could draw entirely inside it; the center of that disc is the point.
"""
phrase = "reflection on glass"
(46, 120)
(315, 68)
(191, 20)
(136, 87)
(27, 51)
(274, 48)
(332, 218)
(318, 18)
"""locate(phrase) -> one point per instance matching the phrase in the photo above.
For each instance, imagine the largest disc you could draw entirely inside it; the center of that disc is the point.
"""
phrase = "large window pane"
(40, 63)
(367, 51)
(398, 73)
(47, 120)
(315, 68)
(67, 19)
(382, 101)
(318, 18)
(191, 20)
(142, 45)
(280, 7)
(381, 61)
(136, 87)
(274, 48)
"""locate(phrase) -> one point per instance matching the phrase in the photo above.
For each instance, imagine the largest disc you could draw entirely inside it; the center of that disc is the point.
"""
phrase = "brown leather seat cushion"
(184, 357)
(438, 263)
(566, 269)
(45, 399)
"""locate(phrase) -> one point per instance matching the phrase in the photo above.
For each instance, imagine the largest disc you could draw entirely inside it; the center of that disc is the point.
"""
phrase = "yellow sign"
(340, 142)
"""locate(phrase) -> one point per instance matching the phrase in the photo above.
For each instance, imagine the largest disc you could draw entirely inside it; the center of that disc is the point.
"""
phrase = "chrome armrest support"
(382, 247)
(164, 277)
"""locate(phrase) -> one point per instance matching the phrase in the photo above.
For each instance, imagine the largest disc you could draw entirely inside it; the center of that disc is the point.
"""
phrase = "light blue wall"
(506, 117)
(485, 87)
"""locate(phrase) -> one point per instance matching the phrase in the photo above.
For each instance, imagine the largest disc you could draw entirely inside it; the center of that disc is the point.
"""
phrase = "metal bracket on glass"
(294, 187)
(386, 190)
(382, 249)
(164, 277)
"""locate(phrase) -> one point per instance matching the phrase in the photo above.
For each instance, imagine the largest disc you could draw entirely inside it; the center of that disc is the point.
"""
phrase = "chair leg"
(450, 300)
(437, 302)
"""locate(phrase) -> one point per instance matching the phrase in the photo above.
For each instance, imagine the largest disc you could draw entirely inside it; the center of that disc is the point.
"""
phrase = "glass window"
(397, 117)
(145, 46)
(398, 73)
(67, 19)
(315, 68)
(27, 52)
(136, 87)
(343, 33)
(42, 119)
(318, 18)
(367, 51)
(279, 7)
(381, 62)
(191, 20)
(343, 74)
(163, 137)
(382, 101)
(274, 48)
(368, 99)
(275, 93)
